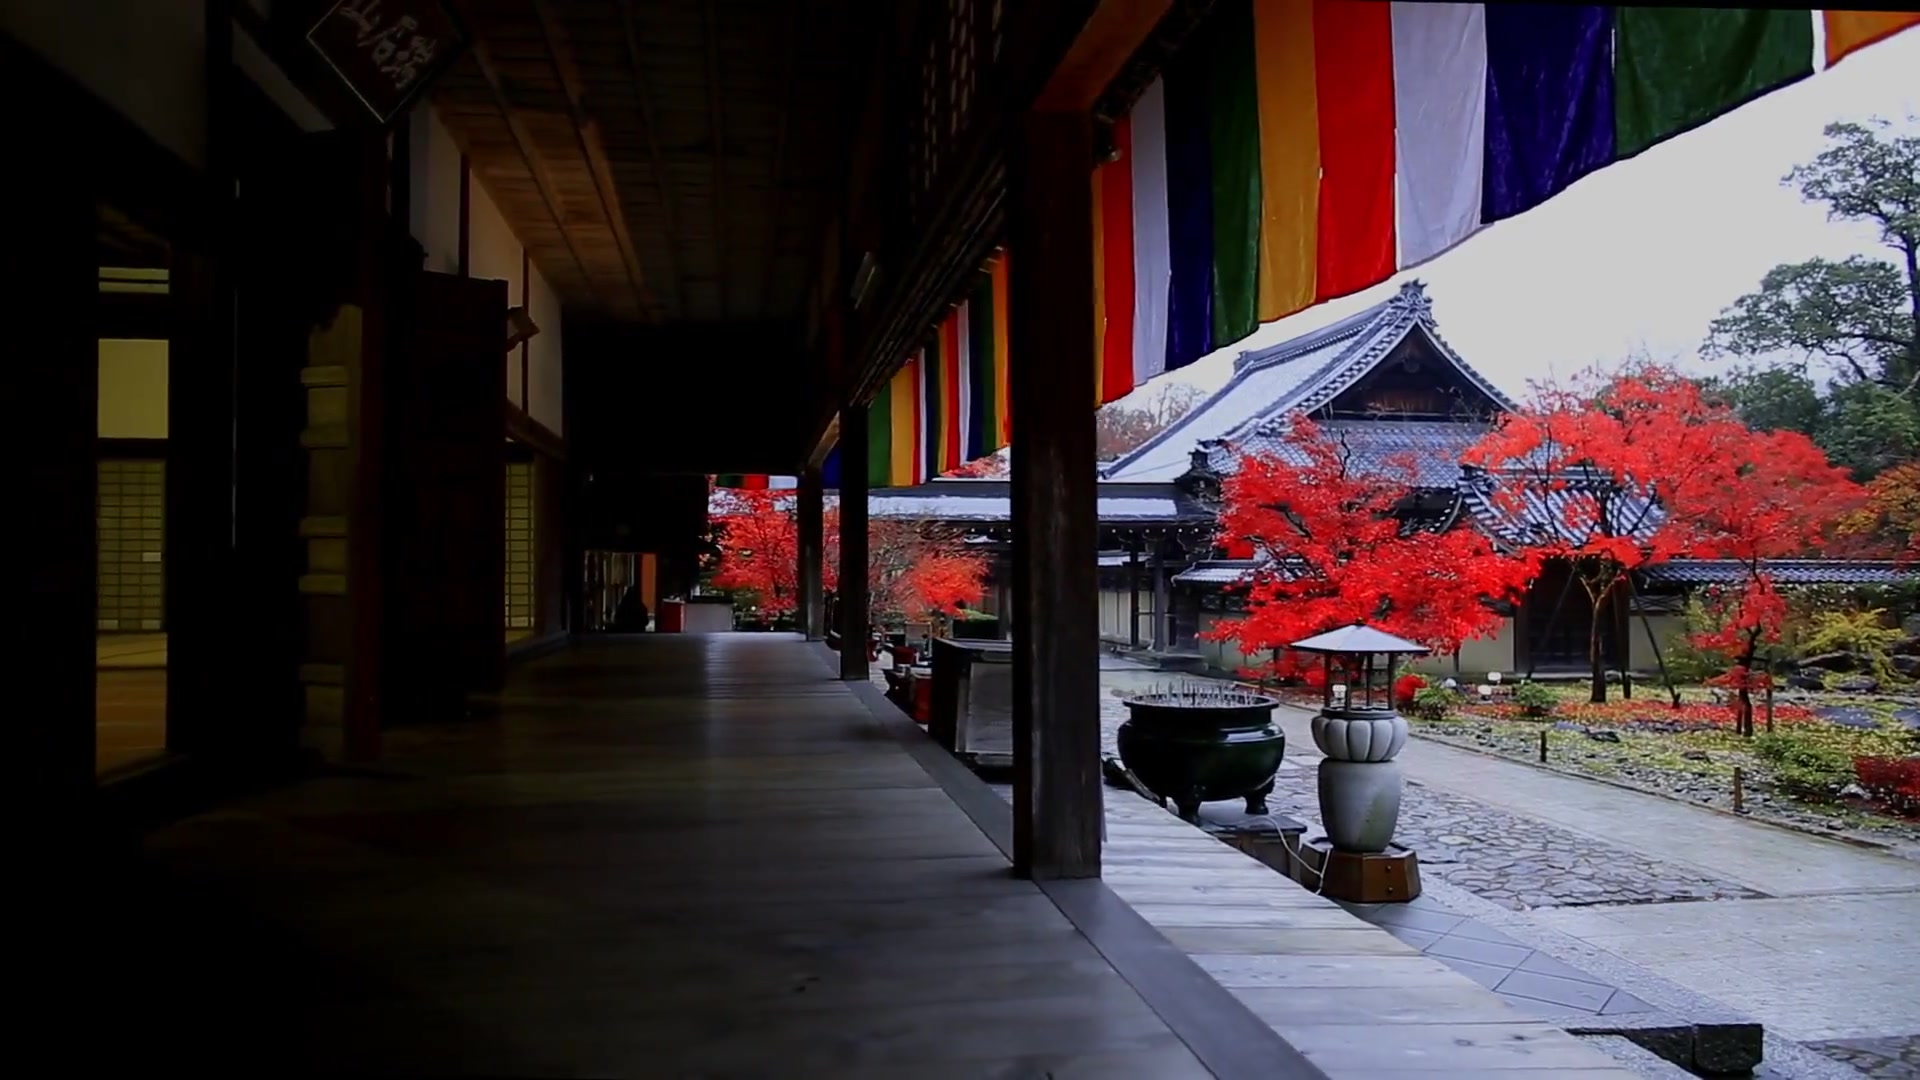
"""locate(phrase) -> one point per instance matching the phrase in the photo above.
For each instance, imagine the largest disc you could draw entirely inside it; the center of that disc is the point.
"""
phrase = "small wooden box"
(1388, 877)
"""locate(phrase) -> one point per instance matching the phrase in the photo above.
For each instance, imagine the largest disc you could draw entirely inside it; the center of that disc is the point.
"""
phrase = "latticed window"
(960, 42)
(130, 513)
(960, 77)
(519, 545)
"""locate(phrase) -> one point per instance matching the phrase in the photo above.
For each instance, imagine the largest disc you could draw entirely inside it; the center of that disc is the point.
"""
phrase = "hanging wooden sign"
(387, 51)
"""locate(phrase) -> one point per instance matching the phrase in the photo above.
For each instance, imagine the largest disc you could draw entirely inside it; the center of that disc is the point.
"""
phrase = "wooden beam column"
(1162, 637)
(854, 619)
(1057, 804)
(1133, 594)
(49, 271)
(330, 194)
(813, 612)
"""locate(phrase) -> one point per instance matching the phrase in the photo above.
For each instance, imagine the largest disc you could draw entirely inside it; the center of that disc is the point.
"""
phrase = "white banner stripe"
(1152, 252)
(1439, 100)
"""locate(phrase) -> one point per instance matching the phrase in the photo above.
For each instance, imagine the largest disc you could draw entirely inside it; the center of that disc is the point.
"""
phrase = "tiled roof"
(1218, 571)
(1783, 572)
(1433, 446)
(1299, 375)
(984, 501)
(1559, 513)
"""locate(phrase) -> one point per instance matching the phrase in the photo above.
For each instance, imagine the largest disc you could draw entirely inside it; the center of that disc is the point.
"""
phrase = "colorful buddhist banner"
(947, 405)
(1295, 151)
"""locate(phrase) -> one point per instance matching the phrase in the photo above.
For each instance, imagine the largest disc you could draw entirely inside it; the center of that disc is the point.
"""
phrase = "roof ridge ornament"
(1413, 299)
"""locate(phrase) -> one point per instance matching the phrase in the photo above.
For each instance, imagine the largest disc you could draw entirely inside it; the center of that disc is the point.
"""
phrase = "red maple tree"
(1337, 549)
(914, 571)
(1584, 472)
(1761, 496)
(911, 571)
(1622, 473)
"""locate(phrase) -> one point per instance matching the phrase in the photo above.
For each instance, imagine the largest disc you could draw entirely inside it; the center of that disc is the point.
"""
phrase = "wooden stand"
(1389, 877)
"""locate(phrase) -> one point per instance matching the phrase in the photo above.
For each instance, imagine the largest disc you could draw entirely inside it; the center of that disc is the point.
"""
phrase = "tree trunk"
(1596, 657)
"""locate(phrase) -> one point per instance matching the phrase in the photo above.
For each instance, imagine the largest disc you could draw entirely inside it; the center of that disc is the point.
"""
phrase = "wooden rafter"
(710, 18)
(661, 181)
(523, 143)
(776, 194)
(593, 151)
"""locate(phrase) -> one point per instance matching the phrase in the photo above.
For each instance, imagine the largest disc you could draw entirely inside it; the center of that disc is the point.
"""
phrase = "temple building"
(1386, 384)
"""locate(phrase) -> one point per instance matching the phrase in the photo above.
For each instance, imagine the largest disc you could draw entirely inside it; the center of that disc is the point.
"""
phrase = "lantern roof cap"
(1358, 638)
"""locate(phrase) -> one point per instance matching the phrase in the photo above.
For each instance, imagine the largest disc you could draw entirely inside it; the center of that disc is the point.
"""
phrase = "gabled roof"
(1565, 511)
(1296, 376)
(1434, 447)
(969, 501)
(1783, 571)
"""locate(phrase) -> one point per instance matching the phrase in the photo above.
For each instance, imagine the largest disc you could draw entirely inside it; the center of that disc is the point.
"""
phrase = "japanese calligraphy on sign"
(387, 51)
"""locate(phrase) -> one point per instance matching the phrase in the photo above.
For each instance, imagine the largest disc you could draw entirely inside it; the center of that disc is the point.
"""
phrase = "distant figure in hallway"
(630, 617)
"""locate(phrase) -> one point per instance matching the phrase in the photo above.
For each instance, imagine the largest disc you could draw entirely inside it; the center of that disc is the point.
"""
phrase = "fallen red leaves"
(1646, 713)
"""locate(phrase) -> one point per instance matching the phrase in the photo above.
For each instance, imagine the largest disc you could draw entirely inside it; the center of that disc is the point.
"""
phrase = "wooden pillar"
(813, 614)
(343, 184)
(1057, 803)
(854, 617)
(202, 610)
(49, 274)
(1133, 594)
(1162, 607)
(201, 488)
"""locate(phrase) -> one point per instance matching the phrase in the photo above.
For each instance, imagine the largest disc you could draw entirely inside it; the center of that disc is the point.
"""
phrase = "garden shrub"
(1687, 662)
(1534, 699)
(1894, 781)
(1405, 687)
(1804, 767)
(1433, 702)
(1864, 633)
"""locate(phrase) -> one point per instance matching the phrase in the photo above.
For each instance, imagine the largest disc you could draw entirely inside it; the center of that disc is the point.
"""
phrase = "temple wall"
(1224, 655)
(1113, 613)
(534, 373)
(145, 58)
(1640, 655)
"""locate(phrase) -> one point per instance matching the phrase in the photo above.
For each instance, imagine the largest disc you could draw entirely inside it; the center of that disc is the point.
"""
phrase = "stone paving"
(1513, 861)
(1895, 1058)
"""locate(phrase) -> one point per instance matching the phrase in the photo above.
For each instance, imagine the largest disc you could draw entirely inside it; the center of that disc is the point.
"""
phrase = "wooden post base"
(1388, 877)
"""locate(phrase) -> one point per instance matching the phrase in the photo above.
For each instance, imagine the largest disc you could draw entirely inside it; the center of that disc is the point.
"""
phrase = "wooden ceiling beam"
(716, 118)
(662, 183)
(776, 194)
(523, 143)
(587, 136)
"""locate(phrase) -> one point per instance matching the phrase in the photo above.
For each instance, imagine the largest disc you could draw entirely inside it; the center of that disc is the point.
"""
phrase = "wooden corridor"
(676, 856)
(686, 856)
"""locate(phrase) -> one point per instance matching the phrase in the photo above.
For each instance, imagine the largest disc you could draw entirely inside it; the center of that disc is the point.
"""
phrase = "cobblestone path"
(1893, 1058)
(1510, 860)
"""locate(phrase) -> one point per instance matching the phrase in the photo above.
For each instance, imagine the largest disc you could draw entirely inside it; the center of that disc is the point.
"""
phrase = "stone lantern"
(1360, 732)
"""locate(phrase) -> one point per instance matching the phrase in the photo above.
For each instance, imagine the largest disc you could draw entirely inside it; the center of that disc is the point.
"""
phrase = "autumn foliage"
(1338, 552)
(910, 574)
(1644, 467)
(1890, 518)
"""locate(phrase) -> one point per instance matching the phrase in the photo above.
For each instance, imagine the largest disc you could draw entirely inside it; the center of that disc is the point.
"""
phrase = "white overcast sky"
(1642, 254)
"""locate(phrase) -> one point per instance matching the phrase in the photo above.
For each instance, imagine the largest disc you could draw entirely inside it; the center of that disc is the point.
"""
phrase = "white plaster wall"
(495, 253)
(1477, 657)
(433, 202)
(1225, 655)
(543, 354)
(1640, 655)
(145, 58)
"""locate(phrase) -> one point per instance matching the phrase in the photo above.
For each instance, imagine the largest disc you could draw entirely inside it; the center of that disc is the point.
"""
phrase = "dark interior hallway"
(671, 856)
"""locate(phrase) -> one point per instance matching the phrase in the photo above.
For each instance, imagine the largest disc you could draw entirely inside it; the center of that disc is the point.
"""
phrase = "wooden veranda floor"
(677, 856)
(685, 856)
